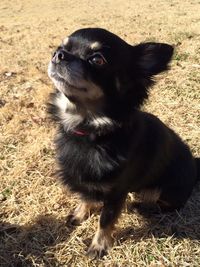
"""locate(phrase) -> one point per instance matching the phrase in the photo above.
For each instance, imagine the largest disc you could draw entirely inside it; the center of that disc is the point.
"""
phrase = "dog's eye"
(97, 60)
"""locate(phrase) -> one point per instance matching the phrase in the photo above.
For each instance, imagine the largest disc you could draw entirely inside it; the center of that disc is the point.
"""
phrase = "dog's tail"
(197, 161)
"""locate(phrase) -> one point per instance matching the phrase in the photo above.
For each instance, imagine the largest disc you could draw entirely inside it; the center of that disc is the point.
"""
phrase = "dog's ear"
(147, 60)
(152, 58)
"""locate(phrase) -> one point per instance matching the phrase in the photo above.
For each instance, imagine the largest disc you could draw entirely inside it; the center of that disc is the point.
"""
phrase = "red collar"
(80, 132)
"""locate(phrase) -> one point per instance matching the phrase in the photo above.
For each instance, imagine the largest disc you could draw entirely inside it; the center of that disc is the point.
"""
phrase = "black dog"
(106, 146)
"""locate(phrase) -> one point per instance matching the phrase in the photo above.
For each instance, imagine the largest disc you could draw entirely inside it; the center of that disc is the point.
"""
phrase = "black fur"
(133, 150)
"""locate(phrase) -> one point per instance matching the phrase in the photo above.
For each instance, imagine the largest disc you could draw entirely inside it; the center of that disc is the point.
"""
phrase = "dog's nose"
(61, 55)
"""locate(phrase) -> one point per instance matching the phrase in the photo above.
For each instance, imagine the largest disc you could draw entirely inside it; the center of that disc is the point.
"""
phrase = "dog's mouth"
(67, 81)
(73, 84)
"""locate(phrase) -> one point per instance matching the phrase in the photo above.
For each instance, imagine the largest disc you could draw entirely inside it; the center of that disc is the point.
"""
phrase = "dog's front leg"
(103, 239)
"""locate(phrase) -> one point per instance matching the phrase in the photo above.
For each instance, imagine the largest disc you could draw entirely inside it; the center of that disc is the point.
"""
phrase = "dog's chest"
(87, 169)
(84, 161)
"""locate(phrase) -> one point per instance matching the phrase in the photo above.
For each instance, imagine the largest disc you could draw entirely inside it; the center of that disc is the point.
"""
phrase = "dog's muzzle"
(61, 55)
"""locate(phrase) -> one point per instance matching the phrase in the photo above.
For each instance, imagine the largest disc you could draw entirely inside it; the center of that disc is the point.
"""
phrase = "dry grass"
(33, 229)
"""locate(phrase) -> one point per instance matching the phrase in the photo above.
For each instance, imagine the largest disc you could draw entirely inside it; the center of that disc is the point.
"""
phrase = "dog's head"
(98, 71)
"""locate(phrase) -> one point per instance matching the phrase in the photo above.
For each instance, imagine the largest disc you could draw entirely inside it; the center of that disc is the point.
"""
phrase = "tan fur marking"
(65, 41)
(83, 211)
(102, 241)
(93, 91)
(150, 195)
(95, 45)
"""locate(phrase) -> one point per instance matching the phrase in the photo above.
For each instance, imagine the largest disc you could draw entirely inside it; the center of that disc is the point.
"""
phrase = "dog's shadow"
(182, 224)
(179, 224)
(19, 243)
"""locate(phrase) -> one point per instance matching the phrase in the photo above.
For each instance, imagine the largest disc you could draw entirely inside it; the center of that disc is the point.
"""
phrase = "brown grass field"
(33, 205)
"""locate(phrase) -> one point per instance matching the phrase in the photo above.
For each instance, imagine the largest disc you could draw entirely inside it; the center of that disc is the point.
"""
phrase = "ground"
(33, 204)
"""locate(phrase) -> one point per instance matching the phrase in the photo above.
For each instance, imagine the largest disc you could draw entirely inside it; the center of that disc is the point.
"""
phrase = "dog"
(106, 146)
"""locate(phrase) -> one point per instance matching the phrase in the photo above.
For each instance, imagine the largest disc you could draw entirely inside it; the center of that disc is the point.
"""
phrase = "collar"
(80, 132)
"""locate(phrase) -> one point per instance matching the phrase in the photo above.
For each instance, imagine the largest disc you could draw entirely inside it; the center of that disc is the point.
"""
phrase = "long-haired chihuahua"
(106, 146)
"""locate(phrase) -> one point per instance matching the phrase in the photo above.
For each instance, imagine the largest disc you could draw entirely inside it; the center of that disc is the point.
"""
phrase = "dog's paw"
(99, 247)
(72, 220)
(96, 251)
(80, 214)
